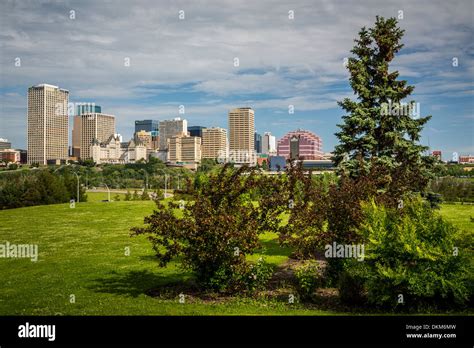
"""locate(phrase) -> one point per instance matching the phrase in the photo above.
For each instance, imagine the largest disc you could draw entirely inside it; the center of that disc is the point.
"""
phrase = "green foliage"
(144, 196)
(308, 278)
(248, 277)
(455, 170)
(128, 196)
(213, 233)
(207, 165)
(40, 187)
(370, 133)
(135, 196)
(410, 252)
(454, 189)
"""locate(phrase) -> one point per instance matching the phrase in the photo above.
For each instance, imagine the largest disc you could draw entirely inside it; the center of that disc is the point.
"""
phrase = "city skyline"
(282, 62)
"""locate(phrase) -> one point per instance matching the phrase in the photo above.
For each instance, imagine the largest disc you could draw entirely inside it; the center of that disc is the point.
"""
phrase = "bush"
(37, 188)
(409, 252)
(213, 234)
(307, 278)
(144, 196)
(135, 196)
(454, 189)
(249, 277)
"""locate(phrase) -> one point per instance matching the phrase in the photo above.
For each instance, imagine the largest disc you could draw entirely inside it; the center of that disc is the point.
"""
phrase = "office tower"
(184, 149)
(258, 142)
(241, 129)
(214, 143)
(309, 145)
(5, 144)
(195, 131)
(152, 126)
(88, 108)
(89, 127)
(170, 128)
(47, 124)
(269, 144)
(76, 136)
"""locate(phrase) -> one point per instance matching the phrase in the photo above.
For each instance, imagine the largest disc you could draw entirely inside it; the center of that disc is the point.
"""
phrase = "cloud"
(191, 61)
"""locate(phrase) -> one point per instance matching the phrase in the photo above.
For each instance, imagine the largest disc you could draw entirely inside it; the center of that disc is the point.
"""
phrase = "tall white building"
(269, 144)
(48, 124)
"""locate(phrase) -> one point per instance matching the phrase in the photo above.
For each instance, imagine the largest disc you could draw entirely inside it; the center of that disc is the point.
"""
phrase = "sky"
(143, 59)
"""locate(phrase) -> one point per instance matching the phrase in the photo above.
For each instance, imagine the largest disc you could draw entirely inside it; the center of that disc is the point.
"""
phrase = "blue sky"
(190, 61)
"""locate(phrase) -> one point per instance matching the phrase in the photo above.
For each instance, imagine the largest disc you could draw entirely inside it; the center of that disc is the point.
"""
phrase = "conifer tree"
(381, 128)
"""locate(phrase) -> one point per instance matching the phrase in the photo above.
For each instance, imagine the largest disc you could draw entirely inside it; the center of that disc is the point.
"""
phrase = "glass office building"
(152, 126)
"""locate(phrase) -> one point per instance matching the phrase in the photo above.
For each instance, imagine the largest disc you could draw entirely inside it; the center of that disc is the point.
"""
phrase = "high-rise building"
(5, 144)
(152, 126)
(88, 127)
(170, 128)
(47, 124)
(258, 142)
(242, 135)
(309, 145)
(269, 144)
(195, 131)
(184, 149)
(214, 143)
(88, 108)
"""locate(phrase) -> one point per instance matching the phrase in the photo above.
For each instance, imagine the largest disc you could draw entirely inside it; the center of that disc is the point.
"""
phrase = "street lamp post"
(166, 179)
(179, 176)
(77, 177)
(108, 191)
(146, 178)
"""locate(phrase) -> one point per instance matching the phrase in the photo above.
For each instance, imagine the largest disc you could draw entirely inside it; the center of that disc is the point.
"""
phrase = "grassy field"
(82, 253)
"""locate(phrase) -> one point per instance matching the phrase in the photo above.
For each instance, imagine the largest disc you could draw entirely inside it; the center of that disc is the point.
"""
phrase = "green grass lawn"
(82, 253)
(459, 215)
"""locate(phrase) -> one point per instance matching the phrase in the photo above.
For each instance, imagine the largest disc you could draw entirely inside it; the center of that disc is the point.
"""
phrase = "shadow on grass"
(134, 283)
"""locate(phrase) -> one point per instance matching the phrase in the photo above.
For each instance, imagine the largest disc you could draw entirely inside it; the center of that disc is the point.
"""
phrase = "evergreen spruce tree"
(380, 128)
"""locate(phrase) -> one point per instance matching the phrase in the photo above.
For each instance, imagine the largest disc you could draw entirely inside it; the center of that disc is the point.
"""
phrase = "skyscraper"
(170, 128)
(196, 131)
(47, 124)
(87, 108)
(89, 127)
(152, 126)
(242, 135)
(269, 144)
(258, 142)
(214, 143)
